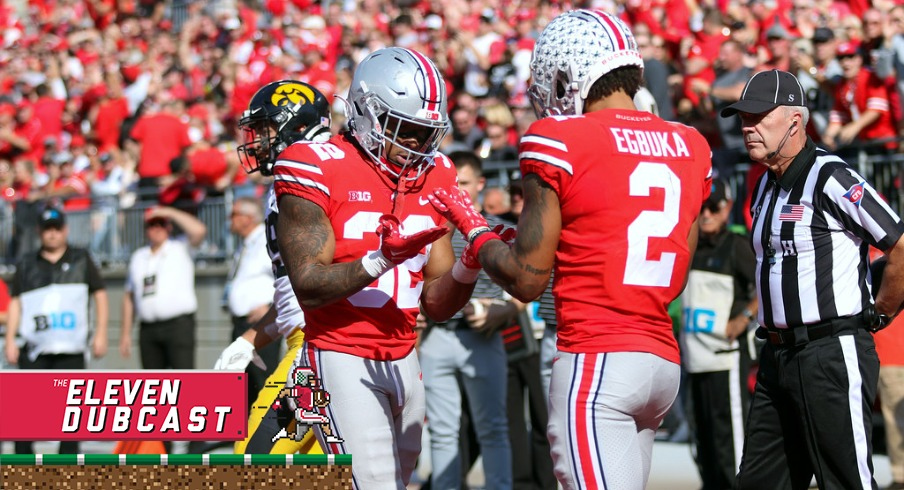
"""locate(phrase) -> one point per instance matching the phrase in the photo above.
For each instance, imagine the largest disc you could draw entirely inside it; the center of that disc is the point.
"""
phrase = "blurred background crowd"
(111, 106)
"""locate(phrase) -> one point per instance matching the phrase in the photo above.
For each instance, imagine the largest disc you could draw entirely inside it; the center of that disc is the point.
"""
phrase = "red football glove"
(507, 235)
(398, 248)
(456, 206)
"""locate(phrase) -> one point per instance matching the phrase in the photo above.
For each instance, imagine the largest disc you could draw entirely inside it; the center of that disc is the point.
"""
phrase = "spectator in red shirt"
(160, 136)
(12, 142)
(318, 72)
(861, 110)
(48, 109)
(108, 115)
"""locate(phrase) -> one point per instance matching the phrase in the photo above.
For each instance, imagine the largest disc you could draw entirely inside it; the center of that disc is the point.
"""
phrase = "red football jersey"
(377, 322)
(630, 186)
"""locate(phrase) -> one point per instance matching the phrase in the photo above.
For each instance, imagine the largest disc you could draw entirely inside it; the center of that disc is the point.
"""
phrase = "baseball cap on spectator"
(198, 111)
(720, 193)
(848, 48)
(778, 31)
(523, 14)
(231, 23)
(52, 218)
(313, 22)
(433, 21)
(767, 90)
(823, 34)
(77, 141)
(488, 15)
(151, 219)
(62, 157)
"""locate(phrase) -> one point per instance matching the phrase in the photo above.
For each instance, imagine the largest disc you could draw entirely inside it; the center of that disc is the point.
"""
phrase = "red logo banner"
(123, 405)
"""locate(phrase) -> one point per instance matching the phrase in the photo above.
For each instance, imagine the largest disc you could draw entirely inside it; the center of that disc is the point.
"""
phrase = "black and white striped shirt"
(811, 233)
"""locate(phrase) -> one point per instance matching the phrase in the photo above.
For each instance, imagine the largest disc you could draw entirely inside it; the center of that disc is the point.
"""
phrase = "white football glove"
(238, 355)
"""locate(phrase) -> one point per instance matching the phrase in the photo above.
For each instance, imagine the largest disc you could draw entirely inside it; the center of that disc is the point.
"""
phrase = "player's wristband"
(482, 237)
(474, 233)
(463, 273)
(376, 264)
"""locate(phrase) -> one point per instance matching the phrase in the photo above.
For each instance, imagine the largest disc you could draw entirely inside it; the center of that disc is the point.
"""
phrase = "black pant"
(257, 377)
(720, 400)
(812, 414)
(50, 361)
(531, 459)
(168, 344)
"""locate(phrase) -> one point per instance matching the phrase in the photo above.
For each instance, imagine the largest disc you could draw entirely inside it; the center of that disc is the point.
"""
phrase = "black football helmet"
(279, 114)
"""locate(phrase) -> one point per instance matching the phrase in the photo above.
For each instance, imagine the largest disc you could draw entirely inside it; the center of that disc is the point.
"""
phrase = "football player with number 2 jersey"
(611, 197)
(364, 249)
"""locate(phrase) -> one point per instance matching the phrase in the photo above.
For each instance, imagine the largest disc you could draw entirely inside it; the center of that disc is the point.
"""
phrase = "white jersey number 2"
(640, 271)
(397, 283)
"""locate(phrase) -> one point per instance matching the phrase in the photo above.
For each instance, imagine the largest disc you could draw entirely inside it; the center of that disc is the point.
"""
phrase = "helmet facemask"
(386, 128)
(560, 98)
(260, 147)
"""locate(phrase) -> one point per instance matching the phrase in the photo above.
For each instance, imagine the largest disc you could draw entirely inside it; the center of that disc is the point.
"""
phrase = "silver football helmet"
(573, 52)
(398, 94)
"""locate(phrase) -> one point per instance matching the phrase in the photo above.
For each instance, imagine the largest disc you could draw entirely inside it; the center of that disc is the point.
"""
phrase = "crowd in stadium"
(112, 105)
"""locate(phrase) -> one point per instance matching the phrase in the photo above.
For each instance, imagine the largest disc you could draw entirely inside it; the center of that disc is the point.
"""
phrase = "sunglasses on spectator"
(712, 207)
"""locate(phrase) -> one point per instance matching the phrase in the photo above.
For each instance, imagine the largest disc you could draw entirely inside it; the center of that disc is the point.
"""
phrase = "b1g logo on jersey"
(359, 196)
(855, 193)
(699, 320)
(57, 321)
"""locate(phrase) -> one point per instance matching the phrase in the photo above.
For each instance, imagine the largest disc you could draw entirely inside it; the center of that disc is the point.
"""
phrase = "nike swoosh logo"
(423, 201)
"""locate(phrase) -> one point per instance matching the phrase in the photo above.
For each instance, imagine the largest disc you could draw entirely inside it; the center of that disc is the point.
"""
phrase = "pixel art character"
(304, 391)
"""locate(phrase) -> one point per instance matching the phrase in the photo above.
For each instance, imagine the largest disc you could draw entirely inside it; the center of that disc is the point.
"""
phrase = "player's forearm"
(520, 278)
(444, 297)
(318, 285)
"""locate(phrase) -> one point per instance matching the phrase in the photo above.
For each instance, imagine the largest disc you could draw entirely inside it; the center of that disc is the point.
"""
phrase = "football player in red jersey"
(611, 196)
(364, 249)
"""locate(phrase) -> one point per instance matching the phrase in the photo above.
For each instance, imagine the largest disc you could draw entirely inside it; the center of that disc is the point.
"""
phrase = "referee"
(814, 218)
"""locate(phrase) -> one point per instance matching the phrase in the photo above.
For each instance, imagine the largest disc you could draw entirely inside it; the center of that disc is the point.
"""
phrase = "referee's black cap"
(767, 90)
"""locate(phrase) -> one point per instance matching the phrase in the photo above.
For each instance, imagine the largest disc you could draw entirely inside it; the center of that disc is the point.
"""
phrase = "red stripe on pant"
(583, 410)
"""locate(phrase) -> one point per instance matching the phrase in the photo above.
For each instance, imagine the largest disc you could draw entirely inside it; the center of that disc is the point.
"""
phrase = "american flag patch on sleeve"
(791, 212)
